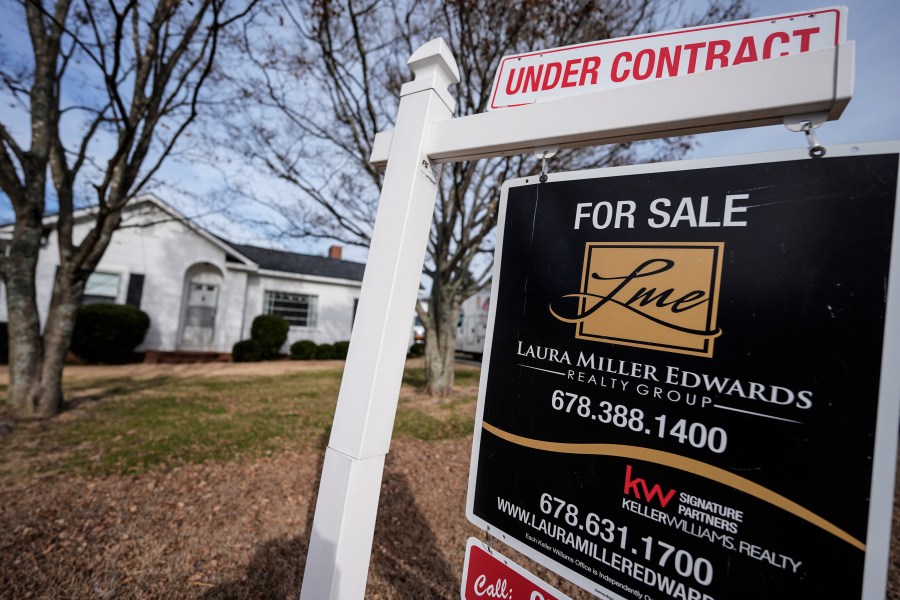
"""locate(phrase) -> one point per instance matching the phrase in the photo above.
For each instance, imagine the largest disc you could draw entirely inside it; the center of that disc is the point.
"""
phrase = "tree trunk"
(36, 363)
(25, 346)
(57, 338)
(440, 346)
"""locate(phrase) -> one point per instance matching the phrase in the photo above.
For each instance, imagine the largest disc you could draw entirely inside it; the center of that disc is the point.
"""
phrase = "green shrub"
(270, 331)
(325, 352)
(246, 351)
(340, 350)
(303, 350)
(4, 344)
(417, 349)
(108, 333)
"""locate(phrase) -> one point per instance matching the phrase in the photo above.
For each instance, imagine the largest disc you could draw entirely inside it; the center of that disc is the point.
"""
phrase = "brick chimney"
(334, 252)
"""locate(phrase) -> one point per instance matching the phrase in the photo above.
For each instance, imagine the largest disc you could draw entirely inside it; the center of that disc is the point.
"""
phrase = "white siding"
(164, 253)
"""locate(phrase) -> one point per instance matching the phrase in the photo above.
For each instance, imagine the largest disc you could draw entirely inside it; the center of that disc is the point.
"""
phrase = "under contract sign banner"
(690, 387)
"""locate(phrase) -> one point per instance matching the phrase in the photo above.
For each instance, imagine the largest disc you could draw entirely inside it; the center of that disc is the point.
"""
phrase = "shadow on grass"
(415, 377)
(81, 393)
(406, 556)
(276, 569)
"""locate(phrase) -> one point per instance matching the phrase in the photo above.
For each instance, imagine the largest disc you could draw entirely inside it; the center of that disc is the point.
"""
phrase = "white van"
(472, 326)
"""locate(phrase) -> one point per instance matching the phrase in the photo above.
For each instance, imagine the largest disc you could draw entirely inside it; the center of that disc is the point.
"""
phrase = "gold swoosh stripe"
(684, 464)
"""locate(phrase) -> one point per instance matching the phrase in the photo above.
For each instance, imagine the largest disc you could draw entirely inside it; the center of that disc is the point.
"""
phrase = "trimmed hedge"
(108, 333)
(303, 350)
(324, 352)
(340, 350)
(309, 350)
(246, 351)
(270, 331)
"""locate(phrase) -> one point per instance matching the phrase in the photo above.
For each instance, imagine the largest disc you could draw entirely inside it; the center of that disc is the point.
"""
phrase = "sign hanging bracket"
(808, 124)
(543, 153)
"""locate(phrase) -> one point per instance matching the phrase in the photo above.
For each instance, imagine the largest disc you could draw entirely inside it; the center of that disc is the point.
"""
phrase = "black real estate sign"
(681, 392)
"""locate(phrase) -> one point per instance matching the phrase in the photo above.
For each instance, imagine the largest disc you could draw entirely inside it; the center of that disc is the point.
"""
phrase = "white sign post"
(341, 541)
(816, 85)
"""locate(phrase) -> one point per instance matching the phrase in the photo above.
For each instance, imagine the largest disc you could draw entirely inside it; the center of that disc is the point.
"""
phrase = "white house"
(202, 292)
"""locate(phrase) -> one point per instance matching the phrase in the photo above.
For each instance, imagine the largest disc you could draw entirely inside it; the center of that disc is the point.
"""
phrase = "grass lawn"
(124, 425)
(203, 487)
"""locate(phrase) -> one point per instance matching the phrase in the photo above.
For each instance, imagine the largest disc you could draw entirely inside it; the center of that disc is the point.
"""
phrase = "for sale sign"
(571, 70)
(690, 386)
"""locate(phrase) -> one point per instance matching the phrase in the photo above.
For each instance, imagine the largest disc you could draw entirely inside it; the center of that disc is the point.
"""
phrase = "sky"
(872, 115)
(874, 112)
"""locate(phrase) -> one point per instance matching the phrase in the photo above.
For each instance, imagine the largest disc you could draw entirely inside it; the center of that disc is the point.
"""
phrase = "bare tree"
(326, 79)
(109, 88)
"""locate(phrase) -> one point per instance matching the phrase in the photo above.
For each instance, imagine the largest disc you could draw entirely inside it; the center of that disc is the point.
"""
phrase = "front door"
(200, 314)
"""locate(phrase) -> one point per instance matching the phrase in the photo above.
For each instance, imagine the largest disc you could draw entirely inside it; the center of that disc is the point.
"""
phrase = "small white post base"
(343, 527)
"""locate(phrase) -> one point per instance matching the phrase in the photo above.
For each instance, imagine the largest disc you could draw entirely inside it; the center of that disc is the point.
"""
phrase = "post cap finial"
(434, 68)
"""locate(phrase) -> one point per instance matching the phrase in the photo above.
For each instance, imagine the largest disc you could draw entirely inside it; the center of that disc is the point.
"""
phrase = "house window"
(101, 287)
(297, 309)
(135, 290)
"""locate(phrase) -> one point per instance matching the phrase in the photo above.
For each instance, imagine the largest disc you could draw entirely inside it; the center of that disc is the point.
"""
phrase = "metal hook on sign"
(543, 154)
(816, 150)
(489, 540)
(807, 124)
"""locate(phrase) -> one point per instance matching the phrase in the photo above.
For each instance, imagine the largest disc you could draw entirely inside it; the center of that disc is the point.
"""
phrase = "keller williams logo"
(662, 296)
(636, 485)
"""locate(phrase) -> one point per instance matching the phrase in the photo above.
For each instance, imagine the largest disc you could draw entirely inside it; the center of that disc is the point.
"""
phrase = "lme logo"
(637, 487)
(662, 296)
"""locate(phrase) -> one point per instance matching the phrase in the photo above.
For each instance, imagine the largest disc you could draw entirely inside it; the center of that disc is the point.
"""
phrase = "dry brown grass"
(230, 529)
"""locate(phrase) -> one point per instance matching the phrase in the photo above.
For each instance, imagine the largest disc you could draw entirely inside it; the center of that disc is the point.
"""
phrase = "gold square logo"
(661, 296)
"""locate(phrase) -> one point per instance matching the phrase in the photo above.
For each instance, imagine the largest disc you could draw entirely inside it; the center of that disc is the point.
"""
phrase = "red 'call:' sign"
(490, 576)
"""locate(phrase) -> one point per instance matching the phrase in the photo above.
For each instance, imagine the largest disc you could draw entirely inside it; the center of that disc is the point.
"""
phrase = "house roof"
(273, 260)
(306, 264)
